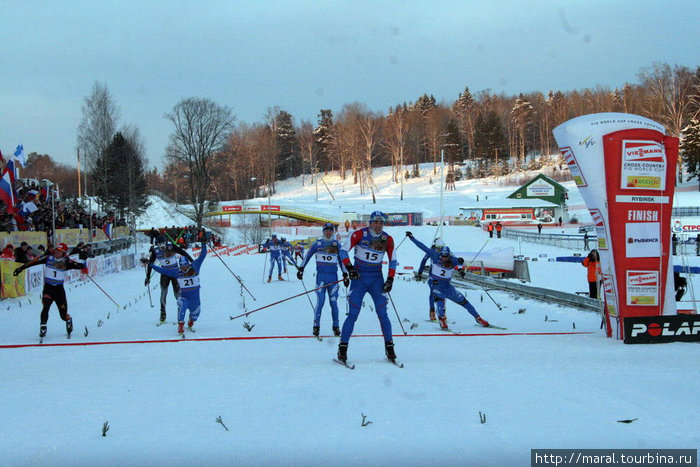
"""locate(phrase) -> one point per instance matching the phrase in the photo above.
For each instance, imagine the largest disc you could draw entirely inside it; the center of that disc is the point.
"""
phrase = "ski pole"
(477, 254)
(306, 292)
(494, 301)
(98, 286)
(229, 270)
(397, 313)
(285, 299)
(397, 248)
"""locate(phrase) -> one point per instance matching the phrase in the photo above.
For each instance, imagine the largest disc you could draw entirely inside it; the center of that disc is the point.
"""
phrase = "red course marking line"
(247, 338)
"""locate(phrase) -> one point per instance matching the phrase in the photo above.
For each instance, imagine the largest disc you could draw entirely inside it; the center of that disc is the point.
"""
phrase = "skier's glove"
(300, 273)
(388, 284)
(16, 272)
(352, 272)
(419, 276)
(346, 281)
(147, 281)
(409, 234)
(144, 261)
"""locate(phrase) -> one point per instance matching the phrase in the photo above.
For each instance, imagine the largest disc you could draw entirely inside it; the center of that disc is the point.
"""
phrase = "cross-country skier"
(370, 245)
(187, 275)
(56, 264)
(329, 254)
(443, 264)
(437, 244)
(286, 249)
(274, 246)
(299, 251)
(165, 255)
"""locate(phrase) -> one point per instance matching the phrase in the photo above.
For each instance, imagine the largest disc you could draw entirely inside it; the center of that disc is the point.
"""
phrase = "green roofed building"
(544, 188)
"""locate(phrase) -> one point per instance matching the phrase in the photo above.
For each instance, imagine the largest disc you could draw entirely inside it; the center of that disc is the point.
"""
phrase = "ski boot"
(181, 327)
(343, 352)
(482, 321)
(390, 354)
(443, 322)
(162, 316)
(69, 325)
(269, 279)
(280, 277)
(190, 324)
(42, 330)
(316, 330)
(432, 315)
(336, 331)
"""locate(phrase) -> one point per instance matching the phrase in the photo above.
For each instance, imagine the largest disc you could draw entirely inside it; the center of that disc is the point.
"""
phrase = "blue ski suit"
(441, 274)
(286, 249)
(370, 249)
(431, 296)
(329, 255)
(275, 248)
(189, 287)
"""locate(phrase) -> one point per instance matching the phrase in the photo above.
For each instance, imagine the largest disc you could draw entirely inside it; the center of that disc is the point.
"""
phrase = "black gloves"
(300, 273)
(346, 281)
(144, 261)
(147, 281)
(419, 276)
(16, 272)
(387, 285)
(352, 272)
(409, 234)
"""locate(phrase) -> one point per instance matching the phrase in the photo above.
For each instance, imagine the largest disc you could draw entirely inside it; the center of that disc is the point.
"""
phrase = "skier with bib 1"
(187, 276)
(370, 244)
(56, 265)
(329, 255)
(443, 264)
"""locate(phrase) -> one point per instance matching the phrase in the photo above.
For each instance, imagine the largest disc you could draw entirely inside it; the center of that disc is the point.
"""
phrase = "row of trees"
(210, 157)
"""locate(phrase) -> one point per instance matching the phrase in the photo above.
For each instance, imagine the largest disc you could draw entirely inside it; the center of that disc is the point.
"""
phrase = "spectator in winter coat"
(592, 264)
(21, 253)
(8, 252)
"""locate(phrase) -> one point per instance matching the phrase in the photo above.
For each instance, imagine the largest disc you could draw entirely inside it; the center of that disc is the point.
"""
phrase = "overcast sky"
(307, 55)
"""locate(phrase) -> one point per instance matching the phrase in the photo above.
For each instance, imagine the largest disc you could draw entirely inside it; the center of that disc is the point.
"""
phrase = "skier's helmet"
(438, 243)
(283, 239)
(445, 251)
(328, 226)
(377, 216)
(62, 247)
(183, 262)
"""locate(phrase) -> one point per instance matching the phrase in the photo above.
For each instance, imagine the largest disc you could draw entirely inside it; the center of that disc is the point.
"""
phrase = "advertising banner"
(661, 329)
(624, 165)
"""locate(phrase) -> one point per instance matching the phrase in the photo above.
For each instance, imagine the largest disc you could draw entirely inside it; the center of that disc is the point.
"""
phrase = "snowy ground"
(551, 380)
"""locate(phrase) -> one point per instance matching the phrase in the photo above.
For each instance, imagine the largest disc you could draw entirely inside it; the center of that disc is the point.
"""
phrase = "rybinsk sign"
(624, 165)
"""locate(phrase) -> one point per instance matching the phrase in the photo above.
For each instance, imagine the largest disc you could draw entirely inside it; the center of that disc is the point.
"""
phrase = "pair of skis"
(352, 366)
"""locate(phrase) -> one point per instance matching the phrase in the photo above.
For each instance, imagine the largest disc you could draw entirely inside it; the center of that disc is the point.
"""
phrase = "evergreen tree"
(325, 136)
(489, 137)
(690, 149)
(122, 181)
(288, 161)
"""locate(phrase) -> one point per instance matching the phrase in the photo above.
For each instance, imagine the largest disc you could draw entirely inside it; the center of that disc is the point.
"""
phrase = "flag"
(7, 190)
(1, 158)
(19, 155)
(27, 209)
(107, 229)
(10, 168)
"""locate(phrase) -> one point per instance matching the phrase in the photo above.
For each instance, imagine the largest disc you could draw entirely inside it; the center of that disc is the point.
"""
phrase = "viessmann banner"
(624, 167)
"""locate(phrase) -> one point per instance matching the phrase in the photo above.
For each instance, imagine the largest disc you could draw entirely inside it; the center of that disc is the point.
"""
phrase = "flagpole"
(80, 193)
(53, 217)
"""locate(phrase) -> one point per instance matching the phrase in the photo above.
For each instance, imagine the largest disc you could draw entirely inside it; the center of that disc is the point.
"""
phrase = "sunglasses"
(378, 221)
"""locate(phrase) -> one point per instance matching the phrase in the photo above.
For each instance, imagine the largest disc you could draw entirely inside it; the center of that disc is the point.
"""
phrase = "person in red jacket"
(592, 264)
(490, 229)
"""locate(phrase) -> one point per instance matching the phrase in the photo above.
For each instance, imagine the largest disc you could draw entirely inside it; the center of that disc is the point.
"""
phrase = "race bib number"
(367, 255)
(52, 274)
(440, 272)
(188, 282)
(325, 257)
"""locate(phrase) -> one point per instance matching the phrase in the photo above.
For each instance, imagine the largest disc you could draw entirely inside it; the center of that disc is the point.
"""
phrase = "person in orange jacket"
(592, 264)
(499, 227)
(490, 229)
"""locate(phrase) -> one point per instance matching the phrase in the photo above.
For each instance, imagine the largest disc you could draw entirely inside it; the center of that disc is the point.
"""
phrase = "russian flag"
(7, 190)
(107, 229)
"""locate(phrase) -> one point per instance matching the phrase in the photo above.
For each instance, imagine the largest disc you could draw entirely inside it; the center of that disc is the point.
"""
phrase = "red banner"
(640, 170)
